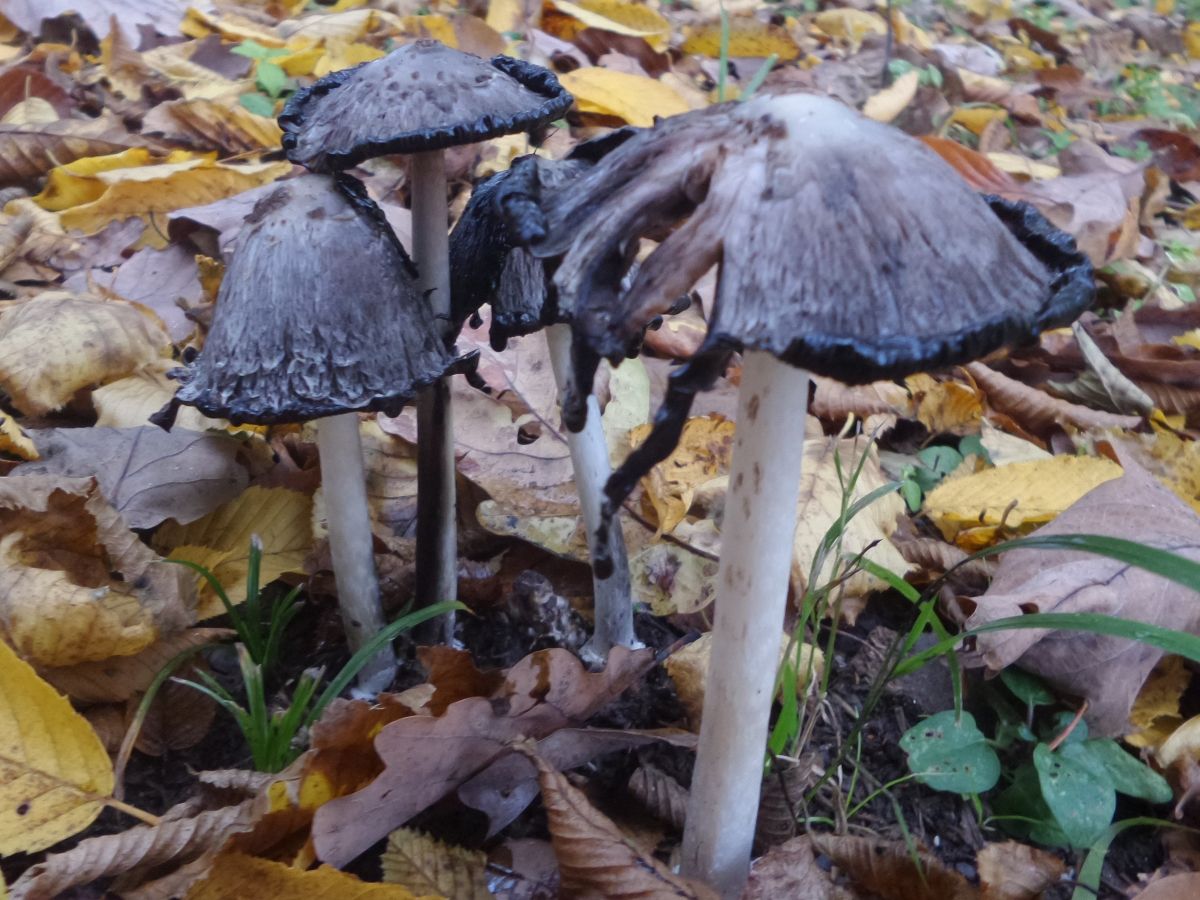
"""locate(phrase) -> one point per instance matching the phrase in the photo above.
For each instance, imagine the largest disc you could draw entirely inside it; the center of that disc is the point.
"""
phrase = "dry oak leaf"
(232, 875)
(423, 863)
(148, 474)
(1036, 411)
(974, 510)
(76, 585)
(1106, 671)
(1014, 871)
(54, 771)
(59, 343)
(427, 757)
(220, 541)
(594, 856)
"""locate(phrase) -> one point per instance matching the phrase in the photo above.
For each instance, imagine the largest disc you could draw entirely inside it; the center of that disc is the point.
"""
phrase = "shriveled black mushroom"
(419, 100)
(487, 267)
(319, 317)
(844, 247)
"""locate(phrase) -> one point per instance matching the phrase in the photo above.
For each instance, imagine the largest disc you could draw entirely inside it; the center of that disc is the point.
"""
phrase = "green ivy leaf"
(1127, 774)
(948, 752)
(1081, 801)
(259, 104)
(1028, 688)
(271, 78)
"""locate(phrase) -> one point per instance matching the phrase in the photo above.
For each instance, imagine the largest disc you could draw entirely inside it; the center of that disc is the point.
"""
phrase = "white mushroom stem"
(756, 555)
(437, 539)
(589, 457)
(344, 486)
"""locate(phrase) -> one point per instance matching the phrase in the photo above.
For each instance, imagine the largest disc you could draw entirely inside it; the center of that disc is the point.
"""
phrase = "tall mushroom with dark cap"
(319, 317)
(419, 100)
(487, 267)
(844, 247)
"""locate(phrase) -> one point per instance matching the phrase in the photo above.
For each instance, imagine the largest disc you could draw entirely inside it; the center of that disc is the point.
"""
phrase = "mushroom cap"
(846, 247)
(422, 96)
(318, 313)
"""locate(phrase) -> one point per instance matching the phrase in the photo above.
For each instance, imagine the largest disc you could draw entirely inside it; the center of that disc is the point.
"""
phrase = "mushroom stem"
(756, 554)
(613, 602)
(344, 483)
(437, 540)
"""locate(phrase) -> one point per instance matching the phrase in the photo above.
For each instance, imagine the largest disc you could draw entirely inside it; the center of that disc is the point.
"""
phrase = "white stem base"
(589, 457)
(756, 555)
(437, 538)
(344, 486)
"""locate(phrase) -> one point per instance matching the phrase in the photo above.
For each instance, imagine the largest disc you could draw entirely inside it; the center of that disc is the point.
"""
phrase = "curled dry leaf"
(702, 454)
(888, 869)
(1036, 411)
(595, 857)
(54, 771)
(59, 343)
(835, 401)
(661, 795)
(76, 585)
(791, 870)
(148, 474)
(427, 757)
(1106, 671)
(426, 865)
(1015, 871)
(30, 151)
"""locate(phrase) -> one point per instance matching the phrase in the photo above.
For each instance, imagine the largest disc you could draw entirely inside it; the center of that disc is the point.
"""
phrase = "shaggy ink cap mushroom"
(422, 96)
(318, 314)
(846, 248)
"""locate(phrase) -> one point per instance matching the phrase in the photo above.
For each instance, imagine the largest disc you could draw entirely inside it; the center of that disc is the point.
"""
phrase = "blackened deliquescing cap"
(422, 96)
(318, 314)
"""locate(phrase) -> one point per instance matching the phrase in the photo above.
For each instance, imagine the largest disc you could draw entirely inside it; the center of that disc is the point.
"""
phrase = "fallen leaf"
(887, 104)
(791, 870)
(77, 585)
(58, 343)
(702, 453)
(945, 407)
(54, 772)
(1155, 714)
(974, 510)
(147, 474)
(672, 580)
(595, 857)
(850, 25)
(129, 402)
(1106, 671)
(634, 98)
(661, 795)
(220, 541)
(1182, 886)
(14, 441)
(232, 873)
(1014, 871)
(616, 16)
(30, 151)
(892, 868)
(425, 864)
(747, 37)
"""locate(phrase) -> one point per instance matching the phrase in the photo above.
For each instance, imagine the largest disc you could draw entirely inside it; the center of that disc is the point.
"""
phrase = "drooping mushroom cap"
(423, 96)
(318, 313)
(845, 247)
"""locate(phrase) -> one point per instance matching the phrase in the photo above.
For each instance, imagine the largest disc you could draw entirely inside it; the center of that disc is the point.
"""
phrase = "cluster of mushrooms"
(843, 247)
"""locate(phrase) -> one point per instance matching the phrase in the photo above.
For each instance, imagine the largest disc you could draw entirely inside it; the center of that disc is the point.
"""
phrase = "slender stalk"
(344, 480)
(589, 457)
(437, 539)
(756, 555)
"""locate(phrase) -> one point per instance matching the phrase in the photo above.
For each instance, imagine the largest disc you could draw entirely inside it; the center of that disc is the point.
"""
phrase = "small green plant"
(1063, 789)
(1138, 152)
(930, 76)
(271, 80)
(1059, 140)
(934, 464)
(259, 629)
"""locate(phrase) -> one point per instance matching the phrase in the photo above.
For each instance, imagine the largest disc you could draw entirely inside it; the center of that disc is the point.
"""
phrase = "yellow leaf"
(850, 25)
(235, 28)
(301, 62)
(946, 406)
(702, 453)
(73, 184)
(58, 343)
(233, 874)
(152, 190)
(885, 105)
(220, 541)
(1155, 713)
(339, 55)
(423, 863)
(634, 98)
(227, 125)
(433, 26)
(129, 402)
(506, 15)
(1182, 747)
(1015, 164)
(977, 118)
(52, 765)
(1191, 40)
(13, 440)
(1188, 339)
(632, 19)
(748, 36)
(672, 580)
(973, 510)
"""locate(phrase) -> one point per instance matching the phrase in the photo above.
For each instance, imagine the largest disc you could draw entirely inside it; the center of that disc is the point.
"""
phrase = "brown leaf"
(424, 864)
(1183, 886)
(663, 796)
(172, 842)
(1106, 671)
(834, 401)
(791, 870)
(1036, 411)
(30, 151)
(888, 870)
(148, 474)
(594, 857)
(427, 757)
(1014, 871)
(454, 677)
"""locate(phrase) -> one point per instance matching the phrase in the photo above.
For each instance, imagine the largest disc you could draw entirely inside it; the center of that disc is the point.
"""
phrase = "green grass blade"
(760, 76)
